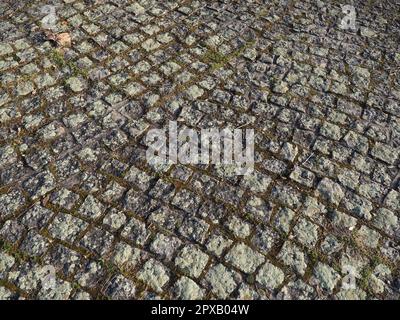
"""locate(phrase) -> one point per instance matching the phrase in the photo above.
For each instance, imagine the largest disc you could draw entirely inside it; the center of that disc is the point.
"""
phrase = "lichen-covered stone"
(283, 219)
(191, 261)
(244, 258)
(218, 243)
(66, 227)
(154, 274)
(186, 289)
(221, 281)
(293, 257)
(75, 84)
(368, 237)
(330, 191)
(325, 277)
(270, 276)
(386, 220)
(306, 232)
(125, 257)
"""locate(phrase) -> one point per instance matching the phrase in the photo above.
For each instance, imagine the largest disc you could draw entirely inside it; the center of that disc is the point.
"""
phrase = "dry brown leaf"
(64, 39)
(46, 199)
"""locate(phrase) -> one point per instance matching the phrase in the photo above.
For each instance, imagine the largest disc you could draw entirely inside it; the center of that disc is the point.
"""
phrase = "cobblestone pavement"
(318, 218)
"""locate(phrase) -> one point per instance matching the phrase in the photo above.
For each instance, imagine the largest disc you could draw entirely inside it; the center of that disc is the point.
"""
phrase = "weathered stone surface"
(217, 244)
(60, 291)
(11, 202)
(325, 277)
(78, 192)
(298, 290)
(154, 274)
(125, 257)
(191, 261)
(293, 257)
(368, 237)
(66, 227)
(75, 84)
(270, 276)
(386, 220)
(40, 184)
(91, 208)
(221, 281)
(244, 258)
(306, 233)
(187, 289)
(330, 191)
(121, 288)
(6, 263)
(283, 219)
